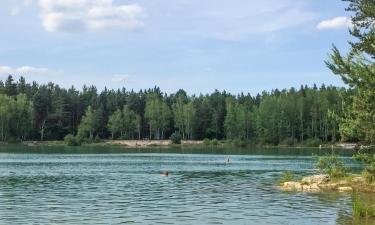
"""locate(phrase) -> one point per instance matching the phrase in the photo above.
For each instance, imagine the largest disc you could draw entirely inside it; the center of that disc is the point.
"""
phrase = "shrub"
(369, 172)
(286, 176)
(363, 207)
(13, 140)
(206, 141)
(313, 142)
(331, 165)
(214, 142)
(97, 139)
(70, 140)
(289, 142)
(176, 138)
(239, 143)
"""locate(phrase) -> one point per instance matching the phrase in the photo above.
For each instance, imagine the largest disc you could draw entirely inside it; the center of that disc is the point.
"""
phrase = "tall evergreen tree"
(357, 69)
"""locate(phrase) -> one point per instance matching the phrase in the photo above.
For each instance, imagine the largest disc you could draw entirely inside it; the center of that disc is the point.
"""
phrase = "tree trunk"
(42, 130)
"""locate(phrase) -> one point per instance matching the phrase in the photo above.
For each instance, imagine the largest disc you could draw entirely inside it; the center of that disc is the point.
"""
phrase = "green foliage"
(214, 142)
(89, 124)
(369, 160)
(312, 142)
(239, 143)
(286, 177)
(331, 165)
(16, 117)
(363, 207)
(115, 123)
(357, 69)
(72, 140)
(158, 115)
(97, 139)
(49, 112)
(206, 141)
(176, 138)
(289, 141)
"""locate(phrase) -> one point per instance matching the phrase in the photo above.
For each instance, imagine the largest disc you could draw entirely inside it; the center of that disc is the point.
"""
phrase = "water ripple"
(128, 189)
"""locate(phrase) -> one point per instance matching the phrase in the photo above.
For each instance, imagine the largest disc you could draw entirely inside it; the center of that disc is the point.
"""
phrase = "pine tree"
(357, 69)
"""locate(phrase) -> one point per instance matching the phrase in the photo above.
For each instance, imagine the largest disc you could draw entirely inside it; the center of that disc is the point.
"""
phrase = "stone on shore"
(316, 179)
(345, 189)
(292, 186)
(317, 183)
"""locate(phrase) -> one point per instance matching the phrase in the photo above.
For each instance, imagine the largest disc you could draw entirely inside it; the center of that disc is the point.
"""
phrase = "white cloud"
(120, 78)
(335, 23)
(26, 70)
(89, 15)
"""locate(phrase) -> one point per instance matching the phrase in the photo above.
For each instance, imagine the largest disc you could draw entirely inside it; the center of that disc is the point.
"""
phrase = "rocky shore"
(322, 182)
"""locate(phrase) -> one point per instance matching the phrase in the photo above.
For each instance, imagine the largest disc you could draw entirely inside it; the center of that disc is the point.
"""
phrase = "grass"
(286, 176)
(363, 207)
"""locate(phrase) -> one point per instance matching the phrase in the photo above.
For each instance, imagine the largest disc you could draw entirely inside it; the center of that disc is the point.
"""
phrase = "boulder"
(292, 186)
(345, 189)
(329, 186)
(316, 179)
(311, 188)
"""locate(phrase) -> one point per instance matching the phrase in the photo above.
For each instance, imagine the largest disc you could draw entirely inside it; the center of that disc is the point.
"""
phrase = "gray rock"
(316, 179)
(292, 186)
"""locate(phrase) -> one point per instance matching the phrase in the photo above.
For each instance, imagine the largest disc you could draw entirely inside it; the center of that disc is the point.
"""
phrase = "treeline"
(29, 111)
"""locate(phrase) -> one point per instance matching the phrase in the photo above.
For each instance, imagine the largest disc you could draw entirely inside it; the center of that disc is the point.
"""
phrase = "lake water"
(118, 186)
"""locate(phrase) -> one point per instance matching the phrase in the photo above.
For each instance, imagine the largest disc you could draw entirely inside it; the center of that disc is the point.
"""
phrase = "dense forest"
(29, 111)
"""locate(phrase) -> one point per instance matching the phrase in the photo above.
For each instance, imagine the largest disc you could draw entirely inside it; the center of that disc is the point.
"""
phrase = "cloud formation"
(335, 23)
(89, 15)
(24, 70)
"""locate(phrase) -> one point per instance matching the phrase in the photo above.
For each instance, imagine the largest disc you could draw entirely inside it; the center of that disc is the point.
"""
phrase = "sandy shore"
(148, 143)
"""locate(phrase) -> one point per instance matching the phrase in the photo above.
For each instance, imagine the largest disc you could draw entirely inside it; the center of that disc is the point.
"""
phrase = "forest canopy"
(31, 111)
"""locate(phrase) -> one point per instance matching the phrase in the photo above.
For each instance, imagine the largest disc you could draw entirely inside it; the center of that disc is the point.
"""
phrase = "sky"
(196, 45)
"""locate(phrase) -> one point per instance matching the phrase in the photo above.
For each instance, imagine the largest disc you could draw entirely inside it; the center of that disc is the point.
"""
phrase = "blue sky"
(197, 45)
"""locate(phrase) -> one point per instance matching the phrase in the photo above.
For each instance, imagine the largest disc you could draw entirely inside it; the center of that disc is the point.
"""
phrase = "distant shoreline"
(184, 143)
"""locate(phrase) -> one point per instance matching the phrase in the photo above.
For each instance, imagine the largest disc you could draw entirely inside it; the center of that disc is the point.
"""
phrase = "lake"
(110, 185)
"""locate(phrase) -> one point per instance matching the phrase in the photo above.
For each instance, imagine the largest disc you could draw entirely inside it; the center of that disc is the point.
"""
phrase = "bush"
(363, 207)
(13, 140)
(289, 142)
(286, 176)
(313, 142)
(176, 138)
(97, 139)
(331, 165)
(239, 143)
(214, 142)
(70, 140)
(206, 141)
(369, 171)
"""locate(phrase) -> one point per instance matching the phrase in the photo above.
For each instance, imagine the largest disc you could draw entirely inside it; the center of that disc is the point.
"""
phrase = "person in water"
(165, 173)
(227, 161)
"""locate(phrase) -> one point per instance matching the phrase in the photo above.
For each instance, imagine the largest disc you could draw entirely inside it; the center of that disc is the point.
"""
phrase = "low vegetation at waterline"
(331, 165)
(363, 206)
(176, 138)
(287, 176)
(334, 176)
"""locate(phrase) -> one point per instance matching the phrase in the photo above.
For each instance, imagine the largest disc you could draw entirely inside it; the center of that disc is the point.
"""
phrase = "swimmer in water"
(165, 173)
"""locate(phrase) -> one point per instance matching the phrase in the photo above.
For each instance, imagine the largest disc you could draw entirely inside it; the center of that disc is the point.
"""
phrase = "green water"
(59, 185)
